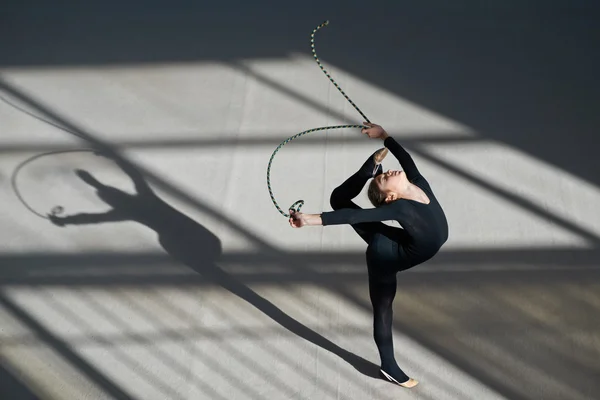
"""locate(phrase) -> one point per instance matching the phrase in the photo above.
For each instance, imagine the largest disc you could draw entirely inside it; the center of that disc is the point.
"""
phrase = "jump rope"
(299, 203)
(296, 206)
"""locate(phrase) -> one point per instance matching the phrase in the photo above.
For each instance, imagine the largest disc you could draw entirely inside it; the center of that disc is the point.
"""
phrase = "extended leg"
(342, 196)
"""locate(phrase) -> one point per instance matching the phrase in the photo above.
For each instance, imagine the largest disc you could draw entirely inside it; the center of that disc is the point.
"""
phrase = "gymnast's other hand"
(374, 131)
(298, 219)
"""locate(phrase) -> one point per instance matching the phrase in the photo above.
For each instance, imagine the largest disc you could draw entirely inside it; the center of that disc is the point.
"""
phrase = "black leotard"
(425, 225)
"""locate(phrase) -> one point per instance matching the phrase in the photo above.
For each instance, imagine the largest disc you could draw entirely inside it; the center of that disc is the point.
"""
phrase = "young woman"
(403, 196)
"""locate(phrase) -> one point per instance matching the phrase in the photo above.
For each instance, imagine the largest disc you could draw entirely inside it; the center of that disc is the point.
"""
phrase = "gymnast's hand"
(374, 131)
(298, 219)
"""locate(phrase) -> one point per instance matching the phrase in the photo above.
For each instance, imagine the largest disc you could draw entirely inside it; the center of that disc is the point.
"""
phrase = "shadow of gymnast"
(192, 244)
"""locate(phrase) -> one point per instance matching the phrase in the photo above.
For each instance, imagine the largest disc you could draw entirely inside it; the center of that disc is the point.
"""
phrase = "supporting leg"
(382, 295)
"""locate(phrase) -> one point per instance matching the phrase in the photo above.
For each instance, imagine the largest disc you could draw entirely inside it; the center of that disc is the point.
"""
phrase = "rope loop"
(299, 203)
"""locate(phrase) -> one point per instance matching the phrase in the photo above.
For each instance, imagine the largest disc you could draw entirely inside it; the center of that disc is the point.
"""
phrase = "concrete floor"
(197, 288)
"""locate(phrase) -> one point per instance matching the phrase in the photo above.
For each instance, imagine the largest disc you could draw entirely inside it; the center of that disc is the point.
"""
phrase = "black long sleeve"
(387, 212)
(406, 161)
(424, 225)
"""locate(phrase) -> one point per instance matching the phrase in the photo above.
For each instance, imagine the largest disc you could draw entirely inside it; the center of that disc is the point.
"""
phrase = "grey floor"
(182, 281)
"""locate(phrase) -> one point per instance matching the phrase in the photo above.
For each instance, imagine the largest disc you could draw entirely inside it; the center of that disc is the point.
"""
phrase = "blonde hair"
(376, 196)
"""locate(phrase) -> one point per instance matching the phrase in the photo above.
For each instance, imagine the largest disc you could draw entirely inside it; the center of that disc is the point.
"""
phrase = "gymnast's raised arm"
(375, 131)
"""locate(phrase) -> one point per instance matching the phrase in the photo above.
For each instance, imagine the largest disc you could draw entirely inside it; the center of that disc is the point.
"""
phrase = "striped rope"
(298, 204)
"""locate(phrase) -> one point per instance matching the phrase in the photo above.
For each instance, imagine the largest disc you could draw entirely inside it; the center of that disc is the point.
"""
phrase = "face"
(391, 181)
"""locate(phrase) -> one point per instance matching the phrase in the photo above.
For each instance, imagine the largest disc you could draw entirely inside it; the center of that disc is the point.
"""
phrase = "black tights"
(383, 262)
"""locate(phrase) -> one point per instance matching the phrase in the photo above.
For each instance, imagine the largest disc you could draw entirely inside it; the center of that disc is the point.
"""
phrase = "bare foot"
(410, 383)
(378, 158)
(380, 155)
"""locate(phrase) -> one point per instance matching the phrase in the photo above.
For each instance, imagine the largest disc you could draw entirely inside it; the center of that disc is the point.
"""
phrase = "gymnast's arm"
(387, 212)
(408, 164)
(375, 131)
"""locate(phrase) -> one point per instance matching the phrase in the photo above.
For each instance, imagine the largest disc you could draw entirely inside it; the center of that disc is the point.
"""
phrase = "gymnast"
(402, 196)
